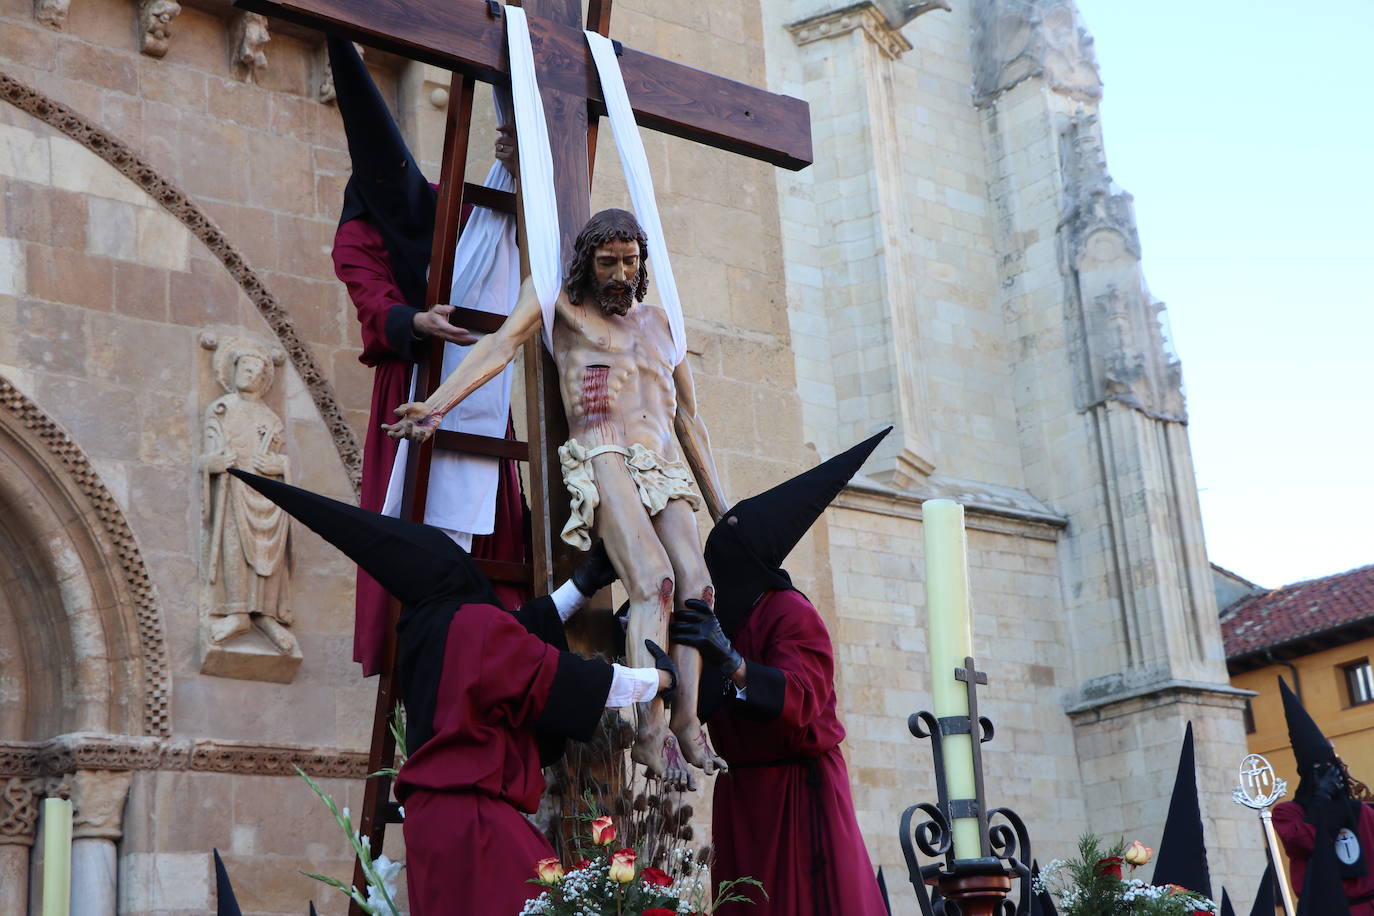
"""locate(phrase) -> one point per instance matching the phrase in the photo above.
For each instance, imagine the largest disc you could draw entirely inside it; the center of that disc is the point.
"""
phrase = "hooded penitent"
(746, 549)
(226, 904)
(1325, 798)
(1182, 856)
(1264, 895)
(419, 565)
(387, 185)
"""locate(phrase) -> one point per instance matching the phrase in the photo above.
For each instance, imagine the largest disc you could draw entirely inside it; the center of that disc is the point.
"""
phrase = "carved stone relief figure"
(249, 37)
(52, 13)
(327, 93)
(155, 25)
(1018, 39)
(245, 556)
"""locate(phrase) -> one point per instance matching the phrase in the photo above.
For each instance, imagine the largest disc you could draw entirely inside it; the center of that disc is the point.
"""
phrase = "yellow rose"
(603, 831)
(622, 866)
(549, 871)
(1137, 854)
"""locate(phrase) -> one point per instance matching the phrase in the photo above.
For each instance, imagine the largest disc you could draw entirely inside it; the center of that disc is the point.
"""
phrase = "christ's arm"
(696, 445)
(489, 356)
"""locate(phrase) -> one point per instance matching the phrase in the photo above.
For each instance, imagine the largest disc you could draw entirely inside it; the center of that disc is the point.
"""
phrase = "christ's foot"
(696, 746)
(648, 747)
(229, 626)
(678, 776)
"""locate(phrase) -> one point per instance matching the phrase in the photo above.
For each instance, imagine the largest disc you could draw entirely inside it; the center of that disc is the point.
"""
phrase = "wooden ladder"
(545, 423)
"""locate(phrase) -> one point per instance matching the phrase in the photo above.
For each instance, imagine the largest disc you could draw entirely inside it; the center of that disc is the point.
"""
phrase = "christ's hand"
(416, 424)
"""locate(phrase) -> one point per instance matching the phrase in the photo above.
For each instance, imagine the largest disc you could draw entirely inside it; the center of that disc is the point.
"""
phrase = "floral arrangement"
(617, 882)
(1093, 885)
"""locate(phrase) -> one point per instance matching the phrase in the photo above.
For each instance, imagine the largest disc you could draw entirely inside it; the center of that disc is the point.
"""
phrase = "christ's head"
(608, 264)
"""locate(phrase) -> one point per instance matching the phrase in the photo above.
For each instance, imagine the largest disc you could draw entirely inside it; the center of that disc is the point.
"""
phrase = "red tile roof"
(1297, 611)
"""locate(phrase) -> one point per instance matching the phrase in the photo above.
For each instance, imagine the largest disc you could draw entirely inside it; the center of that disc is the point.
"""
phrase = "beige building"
(957, 262)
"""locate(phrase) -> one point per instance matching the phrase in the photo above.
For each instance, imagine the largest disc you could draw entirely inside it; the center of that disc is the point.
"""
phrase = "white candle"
(951, 641)
(57, 856)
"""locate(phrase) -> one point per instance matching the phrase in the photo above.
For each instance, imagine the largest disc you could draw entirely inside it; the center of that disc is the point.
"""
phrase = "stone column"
(855, 310)
(98, 797)
(1104, 438)
(18, 823)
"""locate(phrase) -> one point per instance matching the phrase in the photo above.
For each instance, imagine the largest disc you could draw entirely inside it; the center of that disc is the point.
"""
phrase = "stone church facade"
(957, 263)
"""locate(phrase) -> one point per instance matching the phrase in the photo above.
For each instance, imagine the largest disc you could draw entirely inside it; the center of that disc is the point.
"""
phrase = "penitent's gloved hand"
(663, 662)
(596, 572)
(696, 625)
(1330, 782)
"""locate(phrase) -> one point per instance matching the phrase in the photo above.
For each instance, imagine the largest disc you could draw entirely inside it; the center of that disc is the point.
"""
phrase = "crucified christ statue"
(632, 420)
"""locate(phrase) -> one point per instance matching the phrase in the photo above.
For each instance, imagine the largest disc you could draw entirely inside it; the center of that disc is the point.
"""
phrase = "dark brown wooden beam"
(666, 96)
(449, 440)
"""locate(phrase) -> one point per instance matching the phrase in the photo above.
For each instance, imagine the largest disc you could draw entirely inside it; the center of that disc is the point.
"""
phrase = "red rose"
(659, 911)
(1110, 866)
(656, 877)
(582, 864)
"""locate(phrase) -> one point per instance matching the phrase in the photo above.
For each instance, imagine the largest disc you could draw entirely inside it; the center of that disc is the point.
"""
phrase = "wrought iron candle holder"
(970, 886)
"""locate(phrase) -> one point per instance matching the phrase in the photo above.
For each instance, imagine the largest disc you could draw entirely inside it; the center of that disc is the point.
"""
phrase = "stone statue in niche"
(155, 25)
(245, 538)
(249, 37)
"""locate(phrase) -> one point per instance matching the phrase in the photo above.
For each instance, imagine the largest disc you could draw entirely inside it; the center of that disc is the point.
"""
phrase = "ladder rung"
(451, 441)
(483, 196)
(510, 573)
(473, 320)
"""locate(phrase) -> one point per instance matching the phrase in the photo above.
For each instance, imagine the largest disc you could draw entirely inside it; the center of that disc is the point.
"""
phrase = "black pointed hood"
(1311, 749)
(312, 909)
(1226, 908)
(418, 564)
(387, 185)
(1182, 856)
(415, 563)
(882, 889)
(226, 904)
(1041, 903)
(1264, 895)
(746, 549)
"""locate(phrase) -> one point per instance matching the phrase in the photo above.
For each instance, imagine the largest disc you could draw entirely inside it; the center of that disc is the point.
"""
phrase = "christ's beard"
(615, 299)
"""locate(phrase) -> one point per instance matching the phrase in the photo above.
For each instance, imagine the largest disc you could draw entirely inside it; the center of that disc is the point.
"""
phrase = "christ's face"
(616, 264)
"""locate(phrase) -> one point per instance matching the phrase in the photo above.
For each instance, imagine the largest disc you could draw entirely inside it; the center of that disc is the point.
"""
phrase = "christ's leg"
(677, 532)
(647, 575)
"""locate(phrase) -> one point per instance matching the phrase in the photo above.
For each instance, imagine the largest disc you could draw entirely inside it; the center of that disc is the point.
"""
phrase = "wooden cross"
(467, 37)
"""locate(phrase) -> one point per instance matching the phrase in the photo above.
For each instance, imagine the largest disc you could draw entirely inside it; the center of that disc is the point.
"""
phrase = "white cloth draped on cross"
(540, 205)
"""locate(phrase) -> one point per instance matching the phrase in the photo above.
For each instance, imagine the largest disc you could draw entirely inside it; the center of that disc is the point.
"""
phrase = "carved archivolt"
(152, 646)
(43, 762)
(176, 202)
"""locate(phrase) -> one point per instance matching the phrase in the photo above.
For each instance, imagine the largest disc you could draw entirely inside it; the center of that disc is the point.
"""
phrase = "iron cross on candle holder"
(964, 886)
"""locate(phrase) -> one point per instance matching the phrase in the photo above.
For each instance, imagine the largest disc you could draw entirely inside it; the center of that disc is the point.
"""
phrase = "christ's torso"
(616, 376)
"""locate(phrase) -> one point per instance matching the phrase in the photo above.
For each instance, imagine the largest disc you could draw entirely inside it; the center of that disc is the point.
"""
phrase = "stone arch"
(175, 201)
(86, 651)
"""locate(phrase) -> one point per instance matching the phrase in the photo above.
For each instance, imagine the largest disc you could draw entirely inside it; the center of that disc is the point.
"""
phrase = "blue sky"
(1245, 132)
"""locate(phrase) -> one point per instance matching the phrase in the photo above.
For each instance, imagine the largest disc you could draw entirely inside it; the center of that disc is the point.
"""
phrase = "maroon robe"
(783, 813)
(391, 347)
(1298, 837)
(469, 849)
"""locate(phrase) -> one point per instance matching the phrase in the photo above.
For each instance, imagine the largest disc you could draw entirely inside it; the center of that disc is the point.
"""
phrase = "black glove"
(1329, 783)
(696, 625)
(596, 572)
(663, 662)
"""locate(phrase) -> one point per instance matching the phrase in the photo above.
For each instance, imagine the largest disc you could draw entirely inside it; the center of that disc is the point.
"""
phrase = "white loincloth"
(657, 479)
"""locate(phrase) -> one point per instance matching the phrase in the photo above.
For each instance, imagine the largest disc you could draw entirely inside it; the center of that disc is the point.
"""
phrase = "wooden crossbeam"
(666, 96)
